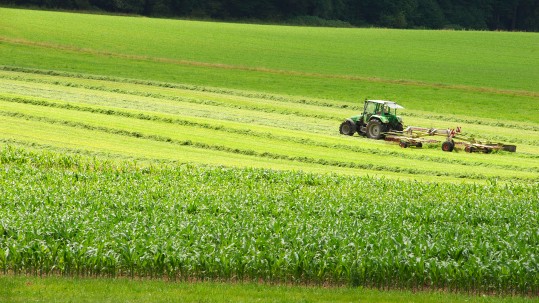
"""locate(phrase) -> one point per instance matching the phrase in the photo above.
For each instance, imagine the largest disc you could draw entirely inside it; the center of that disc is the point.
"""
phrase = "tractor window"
(371, 108)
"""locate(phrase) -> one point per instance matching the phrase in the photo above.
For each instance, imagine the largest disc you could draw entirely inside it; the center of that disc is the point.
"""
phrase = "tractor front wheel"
(347, 128)
(375, 129)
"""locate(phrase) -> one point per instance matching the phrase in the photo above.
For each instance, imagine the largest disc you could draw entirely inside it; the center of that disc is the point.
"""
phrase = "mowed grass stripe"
(495, 134)
(77, 139)
(124, 99)
(107, 156)
(139, 86)
(61, 136)
(251, 136)
(310, 127)
(484, 132)
(178, 107)
(301, 137)
(296, 157)
(37, 75)
(196, 137)
(208, 98)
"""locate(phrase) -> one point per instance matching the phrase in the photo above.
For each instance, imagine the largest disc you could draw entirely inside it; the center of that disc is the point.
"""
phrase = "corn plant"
(72, 215)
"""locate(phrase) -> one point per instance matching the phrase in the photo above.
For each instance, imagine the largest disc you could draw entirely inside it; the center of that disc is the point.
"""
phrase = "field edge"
(14, 288)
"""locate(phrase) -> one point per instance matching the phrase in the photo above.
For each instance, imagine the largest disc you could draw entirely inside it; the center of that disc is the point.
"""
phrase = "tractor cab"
(385, 111)
(378, 109)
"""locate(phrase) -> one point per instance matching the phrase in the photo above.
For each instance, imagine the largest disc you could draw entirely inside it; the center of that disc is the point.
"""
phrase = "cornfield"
(66, 214)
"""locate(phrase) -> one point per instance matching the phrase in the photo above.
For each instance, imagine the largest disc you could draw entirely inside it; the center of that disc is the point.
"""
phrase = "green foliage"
(477, 14)
(317, 21)
(76, 216)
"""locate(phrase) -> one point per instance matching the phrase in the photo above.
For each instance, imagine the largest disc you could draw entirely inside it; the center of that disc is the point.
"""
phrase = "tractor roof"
(389, 104)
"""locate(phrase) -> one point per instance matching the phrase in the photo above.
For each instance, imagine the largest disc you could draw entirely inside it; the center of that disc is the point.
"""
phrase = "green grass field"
(263, 103)
(188, 124)
(443, 72)
(57, 289)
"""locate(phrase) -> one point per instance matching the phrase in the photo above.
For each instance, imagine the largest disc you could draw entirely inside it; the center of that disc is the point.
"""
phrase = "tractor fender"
(356, 119)
(351, 121)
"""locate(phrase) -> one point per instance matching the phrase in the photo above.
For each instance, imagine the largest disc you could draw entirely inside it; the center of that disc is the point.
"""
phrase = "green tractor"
(378, 117)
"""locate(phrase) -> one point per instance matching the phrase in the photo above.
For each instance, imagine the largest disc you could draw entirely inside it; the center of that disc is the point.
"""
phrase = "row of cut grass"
(175, 115)
(328, 110)
(375, 163)
(146, 88)
(252, 134)
(268, 147)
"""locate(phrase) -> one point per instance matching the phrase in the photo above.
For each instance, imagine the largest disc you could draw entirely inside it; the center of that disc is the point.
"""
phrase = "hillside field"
(227, 120)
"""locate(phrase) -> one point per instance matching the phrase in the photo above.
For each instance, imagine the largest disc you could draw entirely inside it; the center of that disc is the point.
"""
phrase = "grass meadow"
(61, 289)
(444, 72)
(203, 151)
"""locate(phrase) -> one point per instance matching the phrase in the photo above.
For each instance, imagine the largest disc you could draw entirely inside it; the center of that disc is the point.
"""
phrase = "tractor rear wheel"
(347, 128)
(375, 129)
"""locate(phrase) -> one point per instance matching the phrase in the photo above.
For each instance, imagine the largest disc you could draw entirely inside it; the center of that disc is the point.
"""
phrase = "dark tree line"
(469, 14)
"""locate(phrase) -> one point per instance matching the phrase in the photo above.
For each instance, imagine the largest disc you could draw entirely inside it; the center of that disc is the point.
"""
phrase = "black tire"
(469, 149)
(347, 128)
(403, 144)
(419, 145)
(375, 129)
(448, 146)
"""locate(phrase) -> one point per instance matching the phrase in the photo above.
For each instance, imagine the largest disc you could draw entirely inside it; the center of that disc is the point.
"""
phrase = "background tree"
(520, 15)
